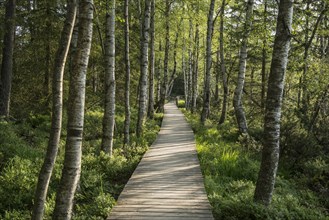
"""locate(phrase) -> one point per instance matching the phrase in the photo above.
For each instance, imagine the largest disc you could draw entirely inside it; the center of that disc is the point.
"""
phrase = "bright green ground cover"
(230, 166)
(22, 145)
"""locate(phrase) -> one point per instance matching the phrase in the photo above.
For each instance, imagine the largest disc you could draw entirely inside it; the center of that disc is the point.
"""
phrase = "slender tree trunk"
(158, 73)
(7, 58)
(144, 70)
(165, 62)
(150, 112)
(48, 55)
(126, 138)
(303, 93)
(206, 98)
(109, 110)
(184, 74)
(173, 75)
(56, 123)
(195, 70)
(270, 155)
(76, 103)
(237, 100)
(264, 57)
(222, 64)
(189, 69)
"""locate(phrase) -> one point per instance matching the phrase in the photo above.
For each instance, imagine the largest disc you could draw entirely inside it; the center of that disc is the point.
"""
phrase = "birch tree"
(109, 110)
(206, 96)
(143, 81)
(7, 58)
(75, 109)
(195, 70)
(271, 148)
(164, 86)
(237, 100)
(57, 109)
(127, 82)
(222, 64)
(150, 111)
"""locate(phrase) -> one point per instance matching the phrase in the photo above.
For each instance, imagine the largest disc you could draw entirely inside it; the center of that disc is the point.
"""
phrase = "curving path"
(167, 184)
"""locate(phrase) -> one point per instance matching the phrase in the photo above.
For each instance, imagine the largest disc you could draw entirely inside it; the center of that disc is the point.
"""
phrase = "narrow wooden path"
(167, 184)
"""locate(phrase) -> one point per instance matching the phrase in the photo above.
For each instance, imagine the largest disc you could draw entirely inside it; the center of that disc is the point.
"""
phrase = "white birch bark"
(127, 83)
(76, 103)
(57, 109)
(237, 100)
(206, 97)
(150, 111)
(195, 70)
(270, 154)
(144, 70)
(164, 86)
(109, 110)
(223, 65)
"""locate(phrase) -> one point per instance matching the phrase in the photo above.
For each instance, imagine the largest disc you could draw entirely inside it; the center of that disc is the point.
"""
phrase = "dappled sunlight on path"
(167, 184)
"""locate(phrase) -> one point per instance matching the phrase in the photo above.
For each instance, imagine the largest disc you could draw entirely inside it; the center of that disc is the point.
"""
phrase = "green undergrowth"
(230, 166)
(22, 147)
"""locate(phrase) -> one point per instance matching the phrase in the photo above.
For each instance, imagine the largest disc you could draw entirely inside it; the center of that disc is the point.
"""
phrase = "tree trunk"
(158, 74)
(150, 112)
(206, 98)
(109, 110)
(75, 109)
(57, 109)
(164, 87)
(173, 75)
(189, 69)
(144, 70)
(270, 155)
(126, 132)
(48, 54)
(195, 70)
(184, 74)
(303, 93)
(264, 57)
(7, 58)
(222, 64)
(237, 100)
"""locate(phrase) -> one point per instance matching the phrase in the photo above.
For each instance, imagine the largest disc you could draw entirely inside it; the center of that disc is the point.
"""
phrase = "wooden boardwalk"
(167, 184)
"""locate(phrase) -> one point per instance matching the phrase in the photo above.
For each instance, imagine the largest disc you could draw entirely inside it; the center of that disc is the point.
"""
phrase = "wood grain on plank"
(167, 184)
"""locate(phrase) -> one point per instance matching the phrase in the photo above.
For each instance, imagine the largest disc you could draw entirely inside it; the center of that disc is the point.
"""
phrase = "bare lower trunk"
(195, 70)
(206, 97)
(270, 155)
(189, 69)
(158, 73)
(150, 112)
(264, 58)
(56, 123)
(144, 70)
(222, 65)
(164, 87)
(7, 58)
(109, 110)
(173, 75)
(76, 103)
(237, 100)
(184, 74)
(126, 132)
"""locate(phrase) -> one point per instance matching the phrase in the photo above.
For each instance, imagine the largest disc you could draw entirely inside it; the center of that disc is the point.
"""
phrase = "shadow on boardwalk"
(167, 184)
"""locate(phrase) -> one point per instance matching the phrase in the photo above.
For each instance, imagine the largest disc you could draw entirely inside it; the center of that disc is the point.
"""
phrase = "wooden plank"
(167, 184)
